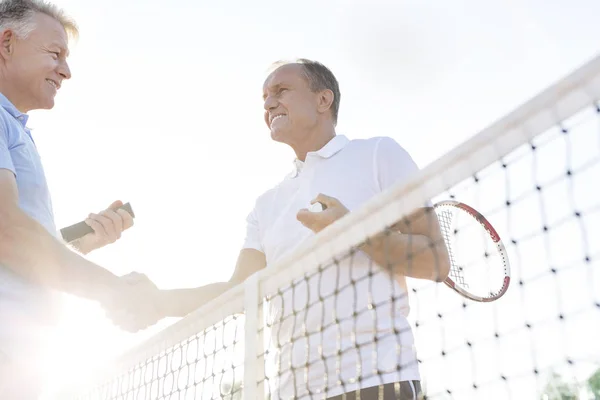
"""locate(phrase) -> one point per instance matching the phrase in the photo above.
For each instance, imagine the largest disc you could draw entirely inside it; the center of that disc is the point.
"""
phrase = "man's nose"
(64, 70)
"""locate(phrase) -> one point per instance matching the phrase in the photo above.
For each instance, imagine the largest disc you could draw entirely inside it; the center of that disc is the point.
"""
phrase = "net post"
(253, 344)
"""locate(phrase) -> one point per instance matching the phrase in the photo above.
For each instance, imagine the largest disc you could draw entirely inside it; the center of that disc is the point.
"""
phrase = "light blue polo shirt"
(24, 306)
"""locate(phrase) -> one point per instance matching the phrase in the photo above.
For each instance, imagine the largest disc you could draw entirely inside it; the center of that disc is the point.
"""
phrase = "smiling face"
(34, 67)
(291, 107)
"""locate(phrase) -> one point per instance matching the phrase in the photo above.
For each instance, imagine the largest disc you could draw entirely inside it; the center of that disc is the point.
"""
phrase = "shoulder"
(374, 143)
(8, 133)
(380, 147)
(383, 143)
(386, 147)
(362, 148)
(10, 128)
(5, 117)
(365, 143)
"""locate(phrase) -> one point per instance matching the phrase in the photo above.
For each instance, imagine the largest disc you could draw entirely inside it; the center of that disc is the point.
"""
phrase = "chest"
(280, 231)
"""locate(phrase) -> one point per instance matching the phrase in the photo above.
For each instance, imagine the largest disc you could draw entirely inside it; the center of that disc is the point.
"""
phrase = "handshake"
(134, 303)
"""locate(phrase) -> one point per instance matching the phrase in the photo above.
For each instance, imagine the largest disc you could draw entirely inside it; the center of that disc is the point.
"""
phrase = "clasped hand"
(134, 304)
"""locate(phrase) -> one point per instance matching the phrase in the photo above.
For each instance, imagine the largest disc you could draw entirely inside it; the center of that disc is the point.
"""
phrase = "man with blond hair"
(35, 265)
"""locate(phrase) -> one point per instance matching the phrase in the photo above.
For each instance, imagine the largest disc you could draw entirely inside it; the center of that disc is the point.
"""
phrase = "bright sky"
(164, 110)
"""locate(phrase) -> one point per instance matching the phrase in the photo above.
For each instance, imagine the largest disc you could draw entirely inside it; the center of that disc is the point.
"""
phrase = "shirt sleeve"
(252, 240)
(5, 158)
(393, 164)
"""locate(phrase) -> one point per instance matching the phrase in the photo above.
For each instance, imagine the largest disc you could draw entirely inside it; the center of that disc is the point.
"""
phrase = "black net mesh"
(208, 365)
(350, 323)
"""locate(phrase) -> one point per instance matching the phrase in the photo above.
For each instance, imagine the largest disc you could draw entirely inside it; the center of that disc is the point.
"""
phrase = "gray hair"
(18, 16)
(319, 77)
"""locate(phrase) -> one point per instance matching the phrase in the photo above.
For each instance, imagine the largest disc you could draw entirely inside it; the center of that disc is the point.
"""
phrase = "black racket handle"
(80, 229)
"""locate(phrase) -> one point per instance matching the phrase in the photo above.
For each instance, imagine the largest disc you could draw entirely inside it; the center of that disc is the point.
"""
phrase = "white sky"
(164, 110)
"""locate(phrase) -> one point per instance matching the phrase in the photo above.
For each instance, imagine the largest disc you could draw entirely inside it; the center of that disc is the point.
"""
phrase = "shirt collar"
(332, 147)
(12, 110)
(329, 150)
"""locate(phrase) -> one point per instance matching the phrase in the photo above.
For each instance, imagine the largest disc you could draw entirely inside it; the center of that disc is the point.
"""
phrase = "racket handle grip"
(76, 231)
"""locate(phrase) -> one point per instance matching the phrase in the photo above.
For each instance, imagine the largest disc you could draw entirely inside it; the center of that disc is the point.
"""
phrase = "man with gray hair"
(35, 265)
(342, 331)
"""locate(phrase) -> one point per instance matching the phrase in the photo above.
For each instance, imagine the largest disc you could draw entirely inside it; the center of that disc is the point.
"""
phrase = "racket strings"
(445, 218)
(477, 265)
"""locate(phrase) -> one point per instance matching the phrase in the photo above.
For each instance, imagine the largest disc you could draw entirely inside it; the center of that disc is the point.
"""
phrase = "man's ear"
(325, 100)
(7, 43)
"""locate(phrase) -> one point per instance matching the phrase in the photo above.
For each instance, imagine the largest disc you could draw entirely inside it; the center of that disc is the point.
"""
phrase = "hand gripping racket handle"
(73, 232)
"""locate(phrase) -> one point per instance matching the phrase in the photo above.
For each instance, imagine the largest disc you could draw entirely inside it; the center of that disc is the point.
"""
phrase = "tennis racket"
(479, 266)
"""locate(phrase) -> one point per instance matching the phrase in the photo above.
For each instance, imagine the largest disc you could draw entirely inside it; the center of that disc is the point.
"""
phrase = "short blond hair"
(18, 15)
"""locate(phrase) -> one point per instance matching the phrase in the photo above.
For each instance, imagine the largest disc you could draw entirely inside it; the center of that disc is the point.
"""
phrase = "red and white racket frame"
(499, 245)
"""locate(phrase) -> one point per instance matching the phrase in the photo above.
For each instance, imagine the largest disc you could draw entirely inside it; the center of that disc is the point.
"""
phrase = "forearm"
(415, 256)
(30, 251)
(76, 247)
(180, 302)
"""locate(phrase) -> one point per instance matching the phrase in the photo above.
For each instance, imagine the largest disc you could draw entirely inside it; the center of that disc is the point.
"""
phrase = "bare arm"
(32, 252)
(180, 302)
(413, 248)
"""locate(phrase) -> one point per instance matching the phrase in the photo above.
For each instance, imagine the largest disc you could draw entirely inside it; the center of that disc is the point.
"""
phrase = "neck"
(313, 141)
(11, 95)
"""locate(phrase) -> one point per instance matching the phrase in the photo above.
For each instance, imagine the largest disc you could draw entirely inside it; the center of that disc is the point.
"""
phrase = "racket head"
(479, 264)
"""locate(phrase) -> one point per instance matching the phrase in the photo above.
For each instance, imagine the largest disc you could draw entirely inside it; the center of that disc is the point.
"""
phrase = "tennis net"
(291, 330)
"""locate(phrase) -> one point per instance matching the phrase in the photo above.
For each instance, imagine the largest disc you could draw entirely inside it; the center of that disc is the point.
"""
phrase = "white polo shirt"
(313, 356)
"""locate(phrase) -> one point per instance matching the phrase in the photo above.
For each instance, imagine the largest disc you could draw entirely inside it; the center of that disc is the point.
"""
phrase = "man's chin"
(47, 105)
(277, 135)
(287, 137)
